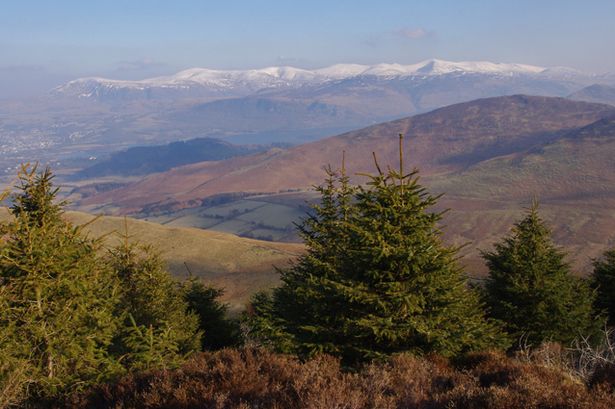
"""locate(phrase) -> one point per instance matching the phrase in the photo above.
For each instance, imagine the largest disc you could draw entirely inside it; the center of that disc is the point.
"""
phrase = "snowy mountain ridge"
(247, 81)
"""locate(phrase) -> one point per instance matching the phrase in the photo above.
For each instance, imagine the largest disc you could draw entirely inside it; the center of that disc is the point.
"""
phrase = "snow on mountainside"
(203, 81)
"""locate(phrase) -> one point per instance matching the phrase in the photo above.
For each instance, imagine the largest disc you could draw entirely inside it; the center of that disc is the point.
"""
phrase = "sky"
(45, 43)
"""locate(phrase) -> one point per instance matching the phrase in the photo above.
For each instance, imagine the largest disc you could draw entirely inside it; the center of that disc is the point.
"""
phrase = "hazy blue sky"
(46, 42)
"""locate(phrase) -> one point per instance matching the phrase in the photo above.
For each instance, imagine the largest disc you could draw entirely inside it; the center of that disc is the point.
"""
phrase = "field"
(261, 217)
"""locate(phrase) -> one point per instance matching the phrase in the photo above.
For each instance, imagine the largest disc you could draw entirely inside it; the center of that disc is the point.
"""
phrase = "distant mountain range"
(96, 117)
(596, 93)
(287, 104)
(207, 82)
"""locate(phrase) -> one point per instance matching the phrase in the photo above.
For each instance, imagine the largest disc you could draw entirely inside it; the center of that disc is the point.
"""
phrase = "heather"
(256, 378)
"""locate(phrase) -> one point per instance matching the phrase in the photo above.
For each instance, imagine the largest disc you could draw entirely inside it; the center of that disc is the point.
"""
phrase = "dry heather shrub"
(408, 381)
(505, 383)
(246, 378)
(603, 378)
(592, 363)
(253, 378)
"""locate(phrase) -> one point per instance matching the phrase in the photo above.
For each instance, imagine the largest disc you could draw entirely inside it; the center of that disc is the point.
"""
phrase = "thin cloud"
(411, 33)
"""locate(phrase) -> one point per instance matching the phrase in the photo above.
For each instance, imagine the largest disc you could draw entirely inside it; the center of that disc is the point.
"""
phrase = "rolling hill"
(444, 141)
(600, 93)
(241, 266)
(142, 160)
(490, 156)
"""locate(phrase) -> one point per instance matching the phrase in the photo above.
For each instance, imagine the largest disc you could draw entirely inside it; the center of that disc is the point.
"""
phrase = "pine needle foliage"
(530, 287)
(603, 282)
(158, 330)
(219, 330)
(57, 301)
(376, 278)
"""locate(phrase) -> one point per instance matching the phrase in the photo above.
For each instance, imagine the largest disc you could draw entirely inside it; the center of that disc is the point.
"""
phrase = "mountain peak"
(243, 82)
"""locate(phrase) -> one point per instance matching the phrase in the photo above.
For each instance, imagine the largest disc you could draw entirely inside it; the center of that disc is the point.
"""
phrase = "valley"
(162, 149)
(85, 120)
(489, 157)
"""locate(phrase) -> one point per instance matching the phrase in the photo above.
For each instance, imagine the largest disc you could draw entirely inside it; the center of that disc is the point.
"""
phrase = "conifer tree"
(530, 287)
(306, 295)
(158, 329)
(56, 299)
(220, 331)
(603, 282)
(377, 278)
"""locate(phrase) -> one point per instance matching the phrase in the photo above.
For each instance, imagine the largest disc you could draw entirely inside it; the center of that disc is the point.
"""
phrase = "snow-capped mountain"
(213, 83)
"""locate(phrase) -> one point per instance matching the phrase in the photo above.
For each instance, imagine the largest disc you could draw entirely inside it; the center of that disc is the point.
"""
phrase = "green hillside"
(240, 265)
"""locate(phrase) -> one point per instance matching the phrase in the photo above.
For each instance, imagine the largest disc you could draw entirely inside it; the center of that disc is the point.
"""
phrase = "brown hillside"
(444, 141)
(490, 157)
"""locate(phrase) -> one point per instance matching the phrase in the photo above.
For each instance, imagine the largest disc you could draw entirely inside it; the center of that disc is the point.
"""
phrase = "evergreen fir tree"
(56, 299)
(376, 278)
(530, 287)
(308, 300)
(220, 331)
(603, 282)
(159, 331)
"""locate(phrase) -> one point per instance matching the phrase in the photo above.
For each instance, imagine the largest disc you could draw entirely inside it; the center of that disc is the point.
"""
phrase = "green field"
(260, 217)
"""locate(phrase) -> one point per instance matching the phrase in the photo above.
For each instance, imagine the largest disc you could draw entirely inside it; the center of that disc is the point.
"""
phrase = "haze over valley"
(89, 118)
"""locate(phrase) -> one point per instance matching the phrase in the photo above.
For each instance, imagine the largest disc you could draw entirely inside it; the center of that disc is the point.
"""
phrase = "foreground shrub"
(590, 362)
(220, 330)
(158, 330)
(70, 318)
(252, 378)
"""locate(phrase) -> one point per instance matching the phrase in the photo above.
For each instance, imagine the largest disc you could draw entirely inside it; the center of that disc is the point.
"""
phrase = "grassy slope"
(241, 266)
